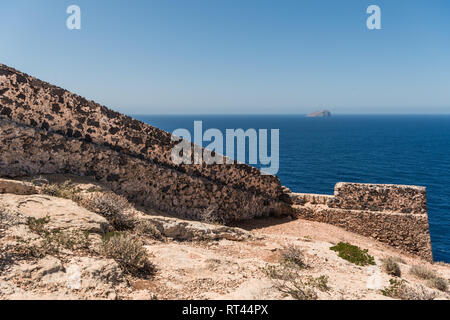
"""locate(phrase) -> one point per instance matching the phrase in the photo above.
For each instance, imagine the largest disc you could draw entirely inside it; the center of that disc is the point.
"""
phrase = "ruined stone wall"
(32, 102)
(31, 151)
(135, 158)
(393, 214)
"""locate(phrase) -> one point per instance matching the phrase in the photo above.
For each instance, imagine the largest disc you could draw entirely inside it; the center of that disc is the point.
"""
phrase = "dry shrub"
(422, 272)
(8, 219)
(148, 228)
(287, 280)
(37, 225)
(398, 260)
(398, 289)
(391, 267)
(3, 222)
(211, 215)
(130, 254)
(438, 283)
(52, 241)
(433, 280)
(292, 254)
(105, 203)
(112, 207)
(66, 190)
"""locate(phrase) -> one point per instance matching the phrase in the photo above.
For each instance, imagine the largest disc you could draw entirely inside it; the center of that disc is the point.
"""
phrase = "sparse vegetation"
(37, 225)
(286, 279)
(94, 189)
(148, 228)
(438, 283)
(398, 260)
(433, 280)
(72, 240)
(52, 242)
(112, 207)
(210, 215)
(2, 222)
(398, 289)
(353, 254)
(393, 290)
(66, 190)
(320, 282)
(391, 267)
(422, 272)
(25, 249)
(129, 253)
(292, 254)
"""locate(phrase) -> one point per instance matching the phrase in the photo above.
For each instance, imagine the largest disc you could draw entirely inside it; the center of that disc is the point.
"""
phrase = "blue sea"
(316, 153)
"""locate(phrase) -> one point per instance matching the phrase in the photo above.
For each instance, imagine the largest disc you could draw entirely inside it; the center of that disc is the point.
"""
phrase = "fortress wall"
(135, 158)
(32, 102)
(302, 198)
(375, 197)
(393, 214)
(32, 151)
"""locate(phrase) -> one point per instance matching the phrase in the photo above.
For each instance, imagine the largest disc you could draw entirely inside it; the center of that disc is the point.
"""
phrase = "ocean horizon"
(317, 153)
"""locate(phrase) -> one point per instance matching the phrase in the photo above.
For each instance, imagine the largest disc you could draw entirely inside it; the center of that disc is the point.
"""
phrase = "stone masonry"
(46, 129)
(393, 214)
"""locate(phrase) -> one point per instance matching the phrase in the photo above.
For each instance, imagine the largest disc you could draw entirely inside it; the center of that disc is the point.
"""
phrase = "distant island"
(324, 113)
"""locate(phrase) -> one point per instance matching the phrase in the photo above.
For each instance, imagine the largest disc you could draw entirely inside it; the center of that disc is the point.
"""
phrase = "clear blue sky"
(237, 56)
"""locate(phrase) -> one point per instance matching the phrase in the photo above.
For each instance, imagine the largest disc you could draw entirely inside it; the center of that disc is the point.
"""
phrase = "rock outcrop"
(46, 129)
(320, 114)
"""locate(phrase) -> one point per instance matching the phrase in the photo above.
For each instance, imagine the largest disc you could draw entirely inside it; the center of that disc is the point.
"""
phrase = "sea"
(316, 153)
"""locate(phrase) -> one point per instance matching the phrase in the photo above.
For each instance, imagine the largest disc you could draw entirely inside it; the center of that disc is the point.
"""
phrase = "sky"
(237, 56)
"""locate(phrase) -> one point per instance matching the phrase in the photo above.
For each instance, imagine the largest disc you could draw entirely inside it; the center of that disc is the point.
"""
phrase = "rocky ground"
(65, 237)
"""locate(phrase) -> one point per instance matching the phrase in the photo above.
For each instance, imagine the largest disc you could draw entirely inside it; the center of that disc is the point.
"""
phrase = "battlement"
(394, 214)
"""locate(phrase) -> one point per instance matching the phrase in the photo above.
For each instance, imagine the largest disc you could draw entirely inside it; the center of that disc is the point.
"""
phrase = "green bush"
(353, 254)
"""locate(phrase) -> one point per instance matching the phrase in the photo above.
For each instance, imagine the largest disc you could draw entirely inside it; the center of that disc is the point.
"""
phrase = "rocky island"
(320, 114)
(91, 207)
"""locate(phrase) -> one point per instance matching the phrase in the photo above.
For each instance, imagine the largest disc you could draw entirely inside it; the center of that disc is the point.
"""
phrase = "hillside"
(54, 240)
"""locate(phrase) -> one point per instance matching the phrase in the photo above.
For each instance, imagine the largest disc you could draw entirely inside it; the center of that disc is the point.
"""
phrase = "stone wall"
(30, 151)
(393, 214)
(66, 133)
